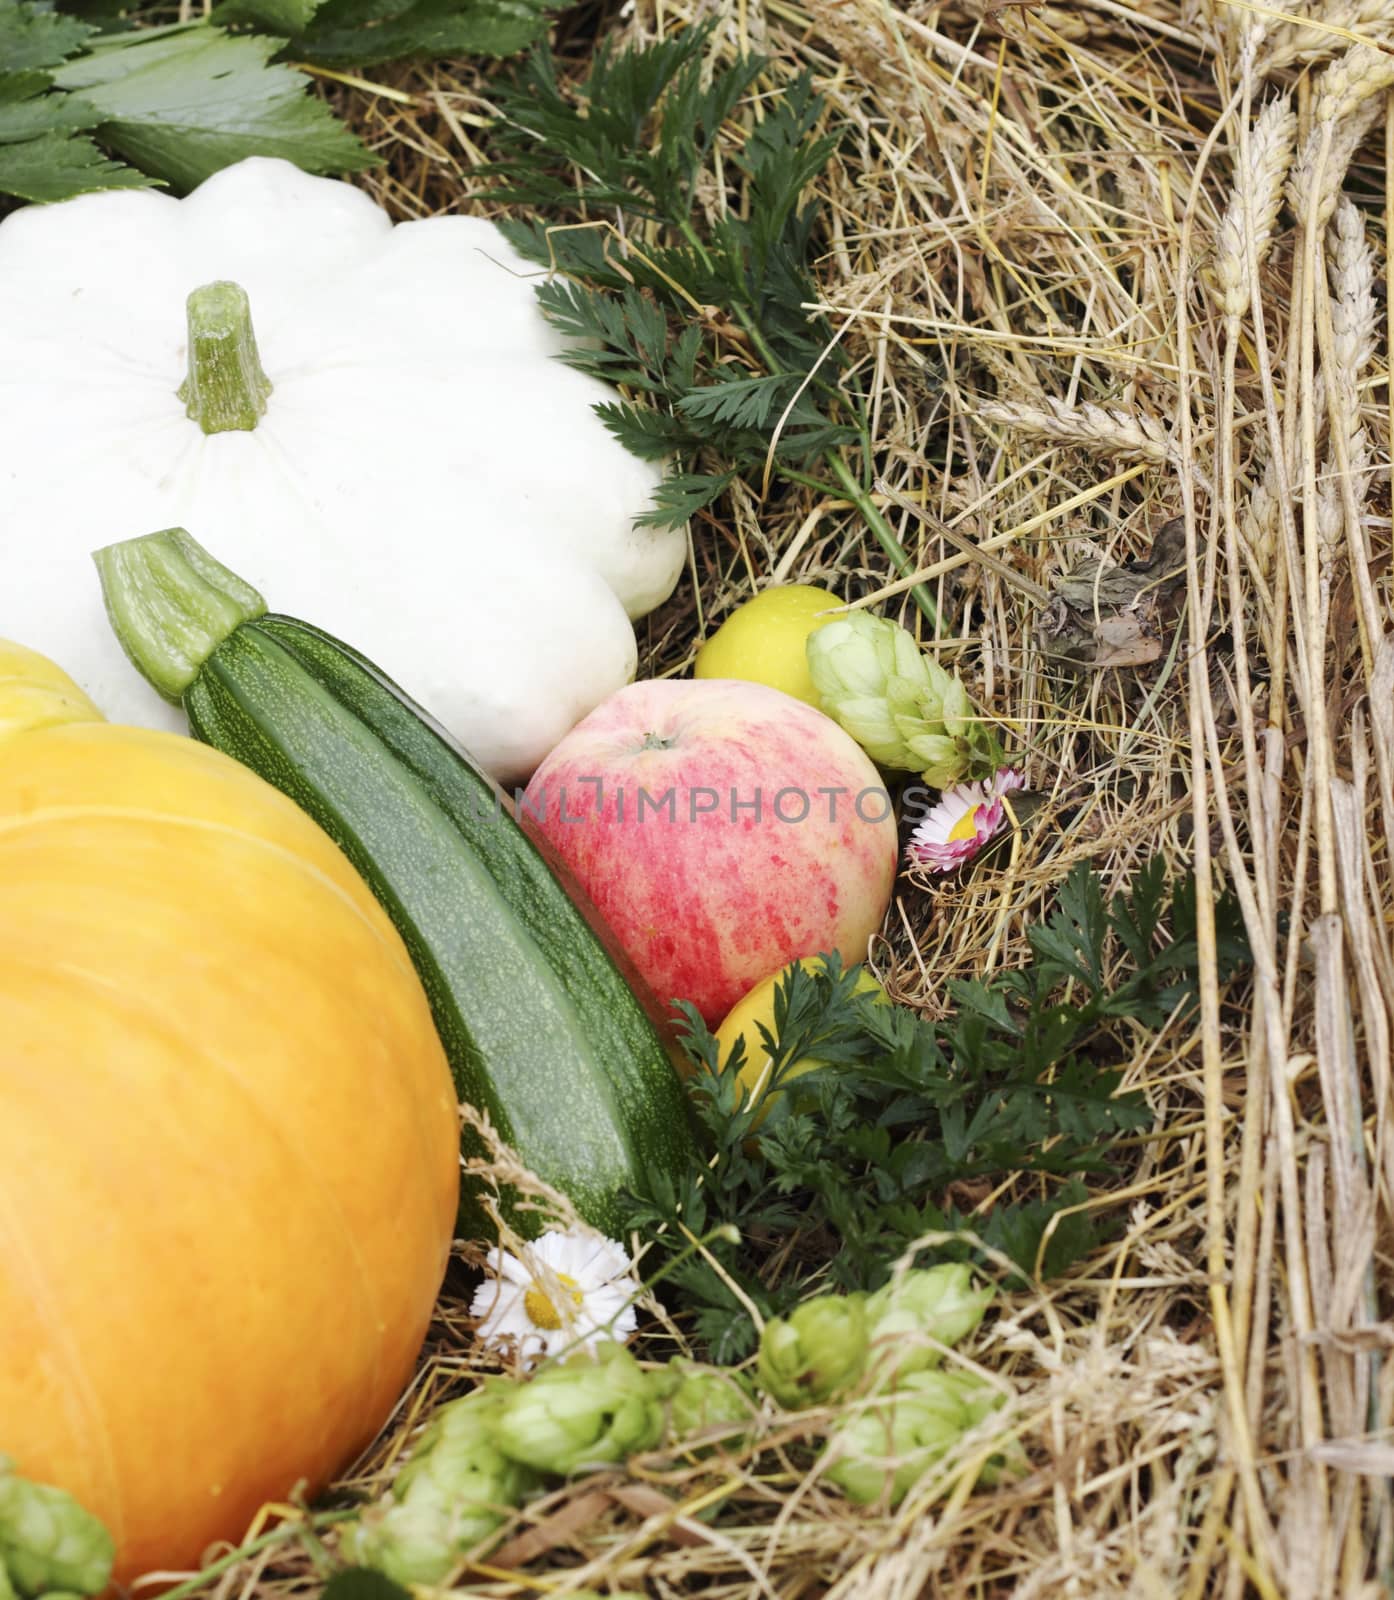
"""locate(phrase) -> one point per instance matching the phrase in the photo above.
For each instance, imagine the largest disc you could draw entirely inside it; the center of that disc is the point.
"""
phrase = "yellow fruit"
(744, 1019)
(229, 1147)
(36, 693)
(766, 640)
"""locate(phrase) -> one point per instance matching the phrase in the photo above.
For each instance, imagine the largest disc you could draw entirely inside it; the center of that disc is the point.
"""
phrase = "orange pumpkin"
(229, 1151)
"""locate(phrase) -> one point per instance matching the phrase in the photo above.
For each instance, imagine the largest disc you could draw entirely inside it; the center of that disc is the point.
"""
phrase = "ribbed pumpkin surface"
(228, 1141)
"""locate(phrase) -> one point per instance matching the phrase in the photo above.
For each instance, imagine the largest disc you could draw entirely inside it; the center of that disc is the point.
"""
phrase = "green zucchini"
(542, 1029)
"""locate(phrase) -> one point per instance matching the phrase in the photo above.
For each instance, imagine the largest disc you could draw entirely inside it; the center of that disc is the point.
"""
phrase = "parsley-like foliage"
(908, 1124)
(691, 287)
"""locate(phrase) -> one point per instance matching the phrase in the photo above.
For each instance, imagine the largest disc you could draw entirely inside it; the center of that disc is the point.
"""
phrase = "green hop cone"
(944, 737)
(587, 1411)
(941, 760)
(704, 1400)
(409, 1544)
(816, 1353)
(867, 670)
(457, 1489)
(911, 1316)
(48, 1541)
(980, 1400)
(884, 1449)
(955, 708)
(903, 708)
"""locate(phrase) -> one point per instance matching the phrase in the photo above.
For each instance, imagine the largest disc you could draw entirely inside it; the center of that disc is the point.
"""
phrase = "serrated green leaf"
(620, 338)
(184, 101)
(31, 36)
(604, 125)
(356, 33)
(1073, 937)
(27, 115)
(1019, 1230)
(974, 997)
(708, 317)
(650, 435)
(740, 402)
(56, 166)
(17, 86)
(681, 496)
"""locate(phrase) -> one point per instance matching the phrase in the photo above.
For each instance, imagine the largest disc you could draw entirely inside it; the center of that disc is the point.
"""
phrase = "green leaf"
(605, 125)
(27, 110)
(621, 338)
(271, 16)
(741, 402)
(681, 496)
(183, 101)
(1135, 917)
(56, 166)
(698, 306)
(363, 1583)
(355, 33)
(1018, 1231)
(650, 435)
(31, 36)
(1072, 940)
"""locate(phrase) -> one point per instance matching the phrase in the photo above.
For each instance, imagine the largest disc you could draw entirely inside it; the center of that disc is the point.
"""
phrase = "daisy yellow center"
(541, 1308)
(966, 827)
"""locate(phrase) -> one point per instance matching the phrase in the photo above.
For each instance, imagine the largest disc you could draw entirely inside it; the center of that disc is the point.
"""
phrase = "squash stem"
(171, 605)
(226, 389)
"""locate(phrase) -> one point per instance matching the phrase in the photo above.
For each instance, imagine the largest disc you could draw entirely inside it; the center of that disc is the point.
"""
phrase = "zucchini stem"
(171, 605)
(226, 389)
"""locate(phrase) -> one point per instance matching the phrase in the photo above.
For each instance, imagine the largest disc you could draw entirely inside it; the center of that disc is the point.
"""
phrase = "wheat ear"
(1257, 197)
(1353, 334)
(1105, 430)
(1258, 522)
(1326, 33)
(1346, 108)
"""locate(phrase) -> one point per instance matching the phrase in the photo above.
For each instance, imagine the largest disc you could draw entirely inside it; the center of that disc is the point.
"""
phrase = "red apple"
(722, 829)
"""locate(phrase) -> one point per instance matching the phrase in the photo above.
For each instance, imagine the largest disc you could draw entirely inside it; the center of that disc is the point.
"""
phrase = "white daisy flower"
(967, 816)
(567, 1291)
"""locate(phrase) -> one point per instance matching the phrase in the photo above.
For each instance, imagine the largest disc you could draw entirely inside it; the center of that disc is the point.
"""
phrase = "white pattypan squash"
(426, 479)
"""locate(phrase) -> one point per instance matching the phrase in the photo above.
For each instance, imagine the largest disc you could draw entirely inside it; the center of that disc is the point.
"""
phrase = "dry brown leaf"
(558, 1529)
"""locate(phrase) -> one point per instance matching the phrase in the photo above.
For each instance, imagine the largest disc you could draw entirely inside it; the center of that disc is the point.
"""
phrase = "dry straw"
(1027, 224)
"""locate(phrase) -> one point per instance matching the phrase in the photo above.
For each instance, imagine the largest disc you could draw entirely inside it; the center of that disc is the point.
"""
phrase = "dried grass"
(1055, 247)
